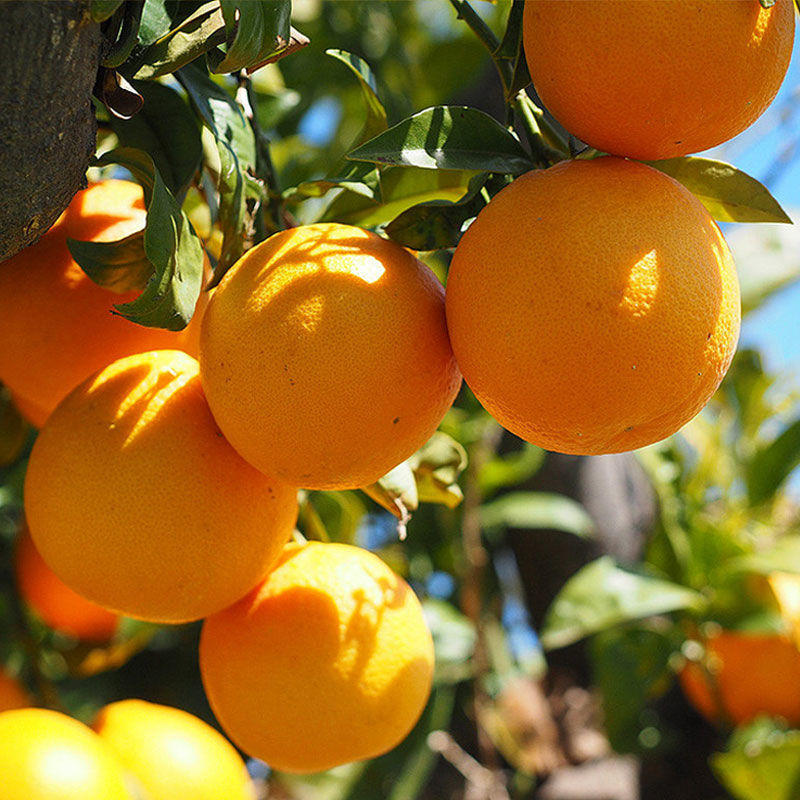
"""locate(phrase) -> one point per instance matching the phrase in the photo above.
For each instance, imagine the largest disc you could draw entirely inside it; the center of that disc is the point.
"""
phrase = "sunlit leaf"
(537, 510)
(396, 491)
(447, 137)
(729, 194)
(437, 466)
(603, 595)
(783, 556)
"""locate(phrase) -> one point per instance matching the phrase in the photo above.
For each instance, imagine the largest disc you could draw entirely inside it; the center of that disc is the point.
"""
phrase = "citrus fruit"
(329, 660)
(12, 693)
(745, 675)
(647, 79)
(173, 754)
(136, 501)
(324, 356)
(45, 755)
(34, 414)
(593, 307)
(54, 602)
(59, 323)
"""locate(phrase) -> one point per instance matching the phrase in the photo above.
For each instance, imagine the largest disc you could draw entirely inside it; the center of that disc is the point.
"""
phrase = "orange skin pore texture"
(47, 755)
(645, 79)
(752, 674)
(137, 502)
(54, 602)
(324, 356)
(59, 324)
(328, 661)
(173, 754)
(593, 307)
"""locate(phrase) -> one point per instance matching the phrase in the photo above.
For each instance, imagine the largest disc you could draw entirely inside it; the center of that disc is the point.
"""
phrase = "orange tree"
(302, 194)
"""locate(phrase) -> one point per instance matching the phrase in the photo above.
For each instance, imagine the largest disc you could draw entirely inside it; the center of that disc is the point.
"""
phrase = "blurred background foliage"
(565, 594)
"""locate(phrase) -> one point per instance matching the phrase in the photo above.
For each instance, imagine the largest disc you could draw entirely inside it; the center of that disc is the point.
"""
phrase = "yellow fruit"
(45, 755)
(136, 501)
(328, 661)
(656, 79)
(12, 694)
(324, 356)
(173, 755)
(745, 675)
(54, 602)
(593, 307)
(58, 325)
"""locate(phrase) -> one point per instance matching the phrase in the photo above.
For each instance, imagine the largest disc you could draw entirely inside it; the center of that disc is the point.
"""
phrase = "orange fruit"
(45, 755)
(173, 754)
(54, 602)
(647, 79)
(136, 501)
(329, 660)
(593, 307)
(12, 693)
(324, 356)
(745, 675)
(58, 324)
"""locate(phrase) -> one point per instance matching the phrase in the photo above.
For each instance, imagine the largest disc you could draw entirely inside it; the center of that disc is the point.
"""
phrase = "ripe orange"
(328, 661)
(649, 79)
(57, 323)
(593, 307)
(324, 356)
(136, 501)
(45, 755)
(748, 675)
(173, 754)
(12, 693)
(54, 602)
(34, 414)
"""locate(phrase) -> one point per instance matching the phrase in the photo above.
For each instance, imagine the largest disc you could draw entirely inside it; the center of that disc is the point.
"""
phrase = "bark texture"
(49, 57)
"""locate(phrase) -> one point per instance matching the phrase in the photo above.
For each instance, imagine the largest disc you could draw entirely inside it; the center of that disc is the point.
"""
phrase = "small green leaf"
(772, 464)
(396, 491)
(447, 137)
(120, 266)
(165, 128)
(763, 761)
(729, 194)
(100, 10)
(171, 245)
(537, 510)
(438, 224)
(202, 30)
(437, 466)
(603, 595)
(375, 122)
(256, 30)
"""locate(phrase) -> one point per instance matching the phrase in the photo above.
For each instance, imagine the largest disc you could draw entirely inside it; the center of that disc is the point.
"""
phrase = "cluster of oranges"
(593, 307)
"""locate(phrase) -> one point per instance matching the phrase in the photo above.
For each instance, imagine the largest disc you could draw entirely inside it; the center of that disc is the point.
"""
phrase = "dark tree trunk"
(49, 57)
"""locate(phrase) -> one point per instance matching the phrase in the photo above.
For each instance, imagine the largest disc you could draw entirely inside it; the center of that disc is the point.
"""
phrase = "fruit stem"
(547, 145)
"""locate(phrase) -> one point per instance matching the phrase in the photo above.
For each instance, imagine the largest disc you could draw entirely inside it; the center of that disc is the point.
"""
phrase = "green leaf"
(398, 190)
(127, 37)
(256, 30)
(510, 468)
(783, 556)
(603, 595)
(202, 30)
(396, 491)
(120, 266)
(437, 466)
(165, 128)
(236, 147)
(763, 762)
(100, 10)
(772, 465)
(631, 667)
(438, 224)
(447, 137)
(171, 246)
(375, 122)
(537, 510)
(729, 194)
